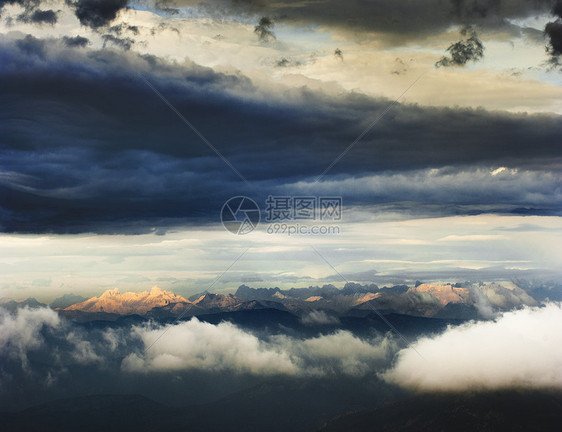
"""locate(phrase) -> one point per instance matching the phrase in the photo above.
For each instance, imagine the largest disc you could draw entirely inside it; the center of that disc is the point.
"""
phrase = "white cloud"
(21, 331)
(198, 345)
(83, 352)
(476, 237)
(506, 298)
(481, 302)
(503, 170)
(319, 317)
(338, 353)
(192, 345)
(112, 339)
(521, 348)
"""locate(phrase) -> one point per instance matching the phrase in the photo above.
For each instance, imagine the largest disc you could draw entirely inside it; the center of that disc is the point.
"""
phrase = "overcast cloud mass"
(116, 128)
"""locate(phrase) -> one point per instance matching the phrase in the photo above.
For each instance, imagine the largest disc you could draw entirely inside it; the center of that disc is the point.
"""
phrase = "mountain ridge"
(113, 301)
(428, 300)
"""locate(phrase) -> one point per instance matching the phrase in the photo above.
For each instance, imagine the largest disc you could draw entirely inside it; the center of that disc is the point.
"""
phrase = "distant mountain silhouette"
(514, 411)
(327, 292)
(67, 300)
(197, 296)
(279, 406)
(14, 305)
(276, 405)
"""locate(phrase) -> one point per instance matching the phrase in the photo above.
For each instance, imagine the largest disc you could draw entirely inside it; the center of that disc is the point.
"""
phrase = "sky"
(125, 127)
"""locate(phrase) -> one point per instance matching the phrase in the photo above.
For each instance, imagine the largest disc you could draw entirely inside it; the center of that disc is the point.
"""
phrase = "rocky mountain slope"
(428, 300)
(113, 301)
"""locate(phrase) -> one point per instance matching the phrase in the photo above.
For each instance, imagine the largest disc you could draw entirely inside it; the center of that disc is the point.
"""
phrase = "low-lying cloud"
(21, 332)
(185, 346)
(226, 347)
(339, 353)
(319, 317)
(198, 345)
(43, 354)
(519, 349)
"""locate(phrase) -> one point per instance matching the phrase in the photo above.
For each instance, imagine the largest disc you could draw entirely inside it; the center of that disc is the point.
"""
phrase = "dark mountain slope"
(514, 411)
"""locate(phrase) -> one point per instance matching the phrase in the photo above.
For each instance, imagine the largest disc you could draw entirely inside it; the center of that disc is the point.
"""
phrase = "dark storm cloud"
(120, 28)
(76, 41)
(400, 19)
(29, 7)
(27, 4)
(163, 27)
(39, 17)
(284, 62)
(124, 43)
(553, 30)
(263, 29)
(31, 46)
(476, 8)
(338, 54)
(161, 5)
(91, 13)
(98, 13)
(86, 145)
(463, 51)
(557, 9)
(287, 62)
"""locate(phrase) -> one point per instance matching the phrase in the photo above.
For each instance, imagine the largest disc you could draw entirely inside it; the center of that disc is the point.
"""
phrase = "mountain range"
(13, 305)
(128, 303)
(443, 301)
(450, 301)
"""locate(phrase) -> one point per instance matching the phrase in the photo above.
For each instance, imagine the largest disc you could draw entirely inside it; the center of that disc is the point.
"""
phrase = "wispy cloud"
(21, 332)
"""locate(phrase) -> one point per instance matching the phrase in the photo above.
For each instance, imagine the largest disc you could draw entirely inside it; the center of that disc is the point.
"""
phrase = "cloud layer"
(42, 356)
(398, 20)
(107, 153)
(21, 332)
(225, 347)
(519, 349)
(198, 345)
(185, 346)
